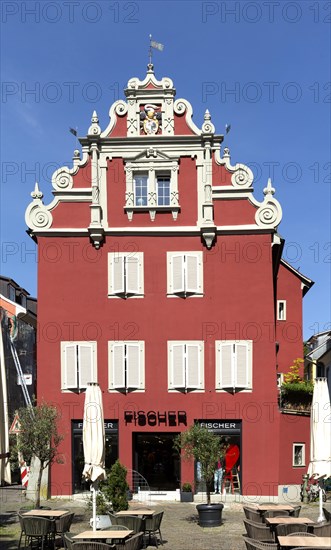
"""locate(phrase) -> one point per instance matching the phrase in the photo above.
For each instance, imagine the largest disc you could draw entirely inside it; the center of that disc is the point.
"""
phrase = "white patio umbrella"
(320, 436)
(94, 441)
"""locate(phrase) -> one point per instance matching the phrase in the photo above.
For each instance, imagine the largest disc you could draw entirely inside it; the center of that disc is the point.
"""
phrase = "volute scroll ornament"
(37, 216)
(270, 212)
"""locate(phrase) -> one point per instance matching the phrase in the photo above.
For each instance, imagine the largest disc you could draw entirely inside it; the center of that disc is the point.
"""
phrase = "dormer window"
(11, 293)
(151, 184)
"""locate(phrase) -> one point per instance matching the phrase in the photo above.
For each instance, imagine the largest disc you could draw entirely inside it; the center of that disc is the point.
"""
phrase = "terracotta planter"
(210, 515)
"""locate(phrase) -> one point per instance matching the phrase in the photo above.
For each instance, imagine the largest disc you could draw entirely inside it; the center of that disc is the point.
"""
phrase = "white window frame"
(73, 381)
(163, 177)
(281, 310)
(154, 166)
(179, 261)
(181, 375)
(228, 377)
(122, 267)
(125, 380)
(303, 448)
(280, 379)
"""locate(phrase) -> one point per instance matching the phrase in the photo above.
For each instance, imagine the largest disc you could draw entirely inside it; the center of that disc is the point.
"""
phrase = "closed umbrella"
(94, 441)
(320, 436)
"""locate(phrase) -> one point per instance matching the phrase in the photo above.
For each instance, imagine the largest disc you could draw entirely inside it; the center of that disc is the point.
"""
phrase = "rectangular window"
(184, 273)
(125, 274)
(234, 364)
(281, 310)
(163, 190)
(280, 379)
(298, 454)
(126, 361)
(11, 293)
(140, 189)
(185, 365)
(78, 365)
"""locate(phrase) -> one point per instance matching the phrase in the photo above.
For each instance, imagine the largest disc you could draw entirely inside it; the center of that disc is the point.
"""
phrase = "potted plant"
(204, 446)
(186, 494)
(103, 508)
(116, 488)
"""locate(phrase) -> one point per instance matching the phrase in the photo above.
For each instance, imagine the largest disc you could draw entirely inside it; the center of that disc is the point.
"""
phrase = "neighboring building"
(18, 314)
(160, 277)
(318, 358)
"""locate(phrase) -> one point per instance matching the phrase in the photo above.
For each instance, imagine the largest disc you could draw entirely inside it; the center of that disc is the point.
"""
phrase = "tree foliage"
(203, 446)
(116, 487)
(293, 376)
(39, 437)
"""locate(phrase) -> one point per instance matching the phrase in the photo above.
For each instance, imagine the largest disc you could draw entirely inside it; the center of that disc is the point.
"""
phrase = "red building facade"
(160, 277)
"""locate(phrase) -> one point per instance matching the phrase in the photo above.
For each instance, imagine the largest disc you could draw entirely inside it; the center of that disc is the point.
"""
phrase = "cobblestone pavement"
(180, 530)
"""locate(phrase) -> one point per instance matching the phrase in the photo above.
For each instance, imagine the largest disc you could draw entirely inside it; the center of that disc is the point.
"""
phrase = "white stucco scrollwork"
(37, 216)
(61, 179)
(242, 176)
(269, 214)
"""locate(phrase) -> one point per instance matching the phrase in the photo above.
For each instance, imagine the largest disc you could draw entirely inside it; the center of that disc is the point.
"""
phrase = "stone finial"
(76, 154)
(226, 153)
(94, 129)
(269, 190)
(36, 193)
(208, 127)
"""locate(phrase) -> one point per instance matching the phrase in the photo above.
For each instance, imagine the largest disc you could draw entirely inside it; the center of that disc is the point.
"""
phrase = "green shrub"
(115, 488)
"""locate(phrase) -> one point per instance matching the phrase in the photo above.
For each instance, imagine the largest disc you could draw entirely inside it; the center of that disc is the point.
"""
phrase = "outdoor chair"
(252, 544)
(153, 526)
(20, 519)
(91, 545)
(310, 548)
(39, 529)
(275, 514)
(115, 528)
(296, 511)
(63, 524)
(327, 514)
(252, 514)
(133, 543)
(258, 531)
(282, 529)
(135, 523)
(114, 519)
(322, 529)
(68, 540)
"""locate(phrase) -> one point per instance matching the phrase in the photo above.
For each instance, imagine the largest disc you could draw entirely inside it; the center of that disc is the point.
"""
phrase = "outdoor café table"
(293, 542)
(101, 535)
(287, 520)
(135, 512)
(45, 513)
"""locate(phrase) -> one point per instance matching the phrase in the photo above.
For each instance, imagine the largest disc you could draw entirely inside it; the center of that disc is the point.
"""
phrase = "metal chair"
(275, 514)
(63, 524)
(40, 529)
(297, 534)
(252, 514)
(252, 544)
(114, 519)
(258, 531)
(153, 526)
(115, 528)
(282, 529)
(322, 529)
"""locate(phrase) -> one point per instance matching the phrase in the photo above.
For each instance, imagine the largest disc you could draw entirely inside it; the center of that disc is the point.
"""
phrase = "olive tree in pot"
(200, 444)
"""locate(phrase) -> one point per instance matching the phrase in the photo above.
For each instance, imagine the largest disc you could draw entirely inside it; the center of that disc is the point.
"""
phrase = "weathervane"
(156, 46)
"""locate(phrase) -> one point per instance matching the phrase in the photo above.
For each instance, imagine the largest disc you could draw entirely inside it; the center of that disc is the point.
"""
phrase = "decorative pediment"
(151, 154)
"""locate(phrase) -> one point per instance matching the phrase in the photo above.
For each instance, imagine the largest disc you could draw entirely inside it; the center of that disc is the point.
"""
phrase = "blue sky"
(263, 67)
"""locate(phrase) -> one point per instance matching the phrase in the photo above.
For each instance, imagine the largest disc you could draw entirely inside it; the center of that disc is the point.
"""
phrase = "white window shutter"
(241, 365)
(177, 365)
(225, 357)
(86, 364)
(69, 366)
(132, 274)
(192, 273)
(177, 273)
(117, 365)
(117, 272)
(194, 366)
(133, 365)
